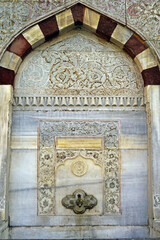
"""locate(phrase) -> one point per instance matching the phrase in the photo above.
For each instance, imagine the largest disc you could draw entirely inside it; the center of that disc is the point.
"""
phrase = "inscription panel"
(78, 143)
(63, 171)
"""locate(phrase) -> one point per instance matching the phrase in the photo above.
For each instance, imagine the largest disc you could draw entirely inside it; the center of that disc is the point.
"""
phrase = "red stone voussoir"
(49, 27)
(6, 76)
(78, 13)
(20, 46)
(151, 76)
(134, 46)
(106, 27)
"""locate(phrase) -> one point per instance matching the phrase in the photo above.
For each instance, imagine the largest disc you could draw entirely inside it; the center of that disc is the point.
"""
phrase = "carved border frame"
(108, 149)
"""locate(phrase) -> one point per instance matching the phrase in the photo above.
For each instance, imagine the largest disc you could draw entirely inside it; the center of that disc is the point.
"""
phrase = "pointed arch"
(79, 14)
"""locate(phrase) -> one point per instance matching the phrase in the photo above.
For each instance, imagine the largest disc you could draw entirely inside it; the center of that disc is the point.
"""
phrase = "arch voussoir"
(79, 14)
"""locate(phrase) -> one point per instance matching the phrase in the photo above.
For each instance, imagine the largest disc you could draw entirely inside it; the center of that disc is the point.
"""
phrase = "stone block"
(6, 76)
(10, 61)
(20, 46)
(49, 27)
(78, 13)
(106, 27)
(24, 142)
(151, 76)
(4, 230)
(34, 36)
(145, 60)
(64, 19)
(121, 35)
(91, 19)
(134, 46)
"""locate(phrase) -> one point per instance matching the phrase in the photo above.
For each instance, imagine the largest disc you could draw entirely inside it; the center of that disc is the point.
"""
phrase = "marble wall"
(23, 176)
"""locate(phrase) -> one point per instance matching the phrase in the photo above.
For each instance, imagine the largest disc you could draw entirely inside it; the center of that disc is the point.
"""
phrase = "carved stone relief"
(80, 102)
(79, 166)
(144, 16)
(52, 159)
(68, 69)
(63, 155)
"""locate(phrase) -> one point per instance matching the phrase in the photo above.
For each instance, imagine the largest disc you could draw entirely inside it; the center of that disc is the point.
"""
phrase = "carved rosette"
(79, 167)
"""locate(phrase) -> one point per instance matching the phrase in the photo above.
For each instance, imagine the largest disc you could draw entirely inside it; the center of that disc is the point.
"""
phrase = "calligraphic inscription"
(79, 162)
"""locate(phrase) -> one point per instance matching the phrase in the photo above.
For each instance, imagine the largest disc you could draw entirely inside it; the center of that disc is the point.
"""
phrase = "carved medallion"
(79, 167)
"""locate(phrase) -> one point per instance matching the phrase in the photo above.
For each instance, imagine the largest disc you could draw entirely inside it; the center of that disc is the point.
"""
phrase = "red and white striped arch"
(79, 14)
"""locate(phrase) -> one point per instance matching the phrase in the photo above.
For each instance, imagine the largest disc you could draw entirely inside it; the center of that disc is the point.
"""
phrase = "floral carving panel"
(50, 158)
(144, 15)
(86, 69)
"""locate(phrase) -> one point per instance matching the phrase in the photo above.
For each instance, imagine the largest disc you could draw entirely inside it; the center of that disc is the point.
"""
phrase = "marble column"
(152, 98)
(6, 93)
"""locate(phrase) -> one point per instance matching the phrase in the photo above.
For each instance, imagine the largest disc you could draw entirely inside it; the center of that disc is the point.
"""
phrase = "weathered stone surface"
(79, 232)
(4, 230)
